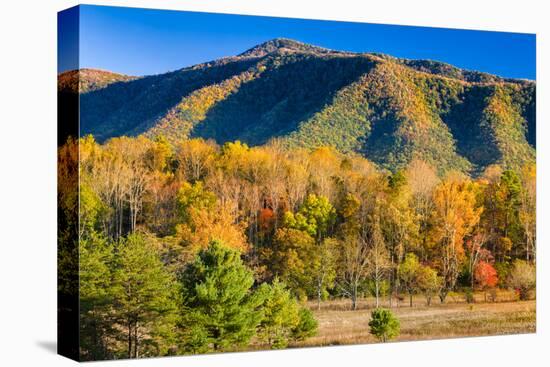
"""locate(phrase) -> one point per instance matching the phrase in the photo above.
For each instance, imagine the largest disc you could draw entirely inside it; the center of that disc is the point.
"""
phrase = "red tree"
(485, 276)
(266, 219)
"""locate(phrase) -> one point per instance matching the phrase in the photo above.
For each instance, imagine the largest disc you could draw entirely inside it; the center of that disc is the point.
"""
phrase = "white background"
(28, 182)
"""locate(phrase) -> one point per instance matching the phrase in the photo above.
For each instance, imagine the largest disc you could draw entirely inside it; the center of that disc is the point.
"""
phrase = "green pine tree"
(281, 314)
(307, 325)
(384, 325)
(144, 294)
(220, 309)
(96, 256)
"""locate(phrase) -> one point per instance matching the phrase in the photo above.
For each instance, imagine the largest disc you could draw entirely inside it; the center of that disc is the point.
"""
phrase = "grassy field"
(339, 325)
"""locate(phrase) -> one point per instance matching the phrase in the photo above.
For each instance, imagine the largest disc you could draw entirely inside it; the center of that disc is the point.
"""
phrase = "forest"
(192, 247)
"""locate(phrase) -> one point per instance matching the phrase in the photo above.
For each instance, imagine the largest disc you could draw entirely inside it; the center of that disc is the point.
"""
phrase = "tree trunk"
(442, 296)
(134, 214)
(129, 339)
(391, 281)
(318, 297)
(120, 218)
(411, 299)
(136, 344)
(354, 298)
(377, 293)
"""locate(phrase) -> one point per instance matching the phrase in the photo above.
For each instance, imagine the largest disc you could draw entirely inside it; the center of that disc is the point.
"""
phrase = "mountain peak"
(282, 45)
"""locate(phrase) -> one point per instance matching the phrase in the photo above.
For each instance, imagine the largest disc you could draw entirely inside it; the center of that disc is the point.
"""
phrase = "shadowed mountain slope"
(390, 110)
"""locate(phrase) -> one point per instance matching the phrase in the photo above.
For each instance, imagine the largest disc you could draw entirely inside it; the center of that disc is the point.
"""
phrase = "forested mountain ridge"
(89, 80)
(388, 109)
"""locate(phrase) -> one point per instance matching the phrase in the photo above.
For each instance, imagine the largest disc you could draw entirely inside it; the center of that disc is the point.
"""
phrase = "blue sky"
(143, 41)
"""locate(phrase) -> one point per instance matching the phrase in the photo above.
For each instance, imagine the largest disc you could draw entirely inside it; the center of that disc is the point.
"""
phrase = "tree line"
(191, 247)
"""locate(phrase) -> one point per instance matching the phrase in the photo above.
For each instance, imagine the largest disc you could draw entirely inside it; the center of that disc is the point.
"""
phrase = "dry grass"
(339, 325)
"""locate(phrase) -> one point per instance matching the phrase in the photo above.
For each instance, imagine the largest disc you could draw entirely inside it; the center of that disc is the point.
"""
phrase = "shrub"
(469, 296)
(307, 326)
(522, 278)
(492, 296)
(384, 325)
(503, 272)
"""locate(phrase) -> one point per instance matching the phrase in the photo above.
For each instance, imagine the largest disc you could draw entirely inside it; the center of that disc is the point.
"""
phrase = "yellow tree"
(379, 262)
(355, 246)
(203, 219)
(324, 163)
(295, 180)
(195, 158)
(120, 175)
(422, 179)
(399, 224)
(455, 214)
(253, 172)
(275, 190)
(528, 210)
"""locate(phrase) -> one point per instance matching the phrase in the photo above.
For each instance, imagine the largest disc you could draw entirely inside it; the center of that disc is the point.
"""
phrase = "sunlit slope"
(390, 110)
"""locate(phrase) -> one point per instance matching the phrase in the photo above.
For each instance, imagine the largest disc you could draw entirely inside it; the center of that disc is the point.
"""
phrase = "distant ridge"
(88, 80)
(389, 109)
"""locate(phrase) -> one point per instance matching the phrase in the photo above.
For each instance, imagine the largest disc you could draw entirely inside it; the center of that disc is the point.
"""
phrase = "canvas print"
(232, 183)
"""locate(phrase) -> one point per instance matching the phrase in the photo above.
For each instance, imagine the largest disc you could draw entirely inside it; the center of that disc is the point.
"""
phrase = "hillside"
(388, 109)
(89, 80)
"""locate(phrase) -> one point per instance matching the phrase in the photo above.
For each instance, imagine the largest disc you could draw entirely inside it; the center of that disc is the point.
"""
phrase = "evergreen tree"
(96, 256)
(307, 325)
(284, 319)
(144, 294)
(220, 309)
(281, 314)
(384, 325)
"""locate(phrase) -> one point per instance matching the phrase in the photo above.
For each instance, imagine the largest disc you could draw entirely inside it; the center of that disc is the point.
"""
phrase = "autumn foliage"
(485, 275)
(294, 224)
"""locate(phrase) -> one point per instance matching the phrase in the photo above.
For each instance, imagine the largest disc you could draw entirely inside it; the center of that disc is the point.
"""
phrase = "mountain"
(88, 80)
(388, 109)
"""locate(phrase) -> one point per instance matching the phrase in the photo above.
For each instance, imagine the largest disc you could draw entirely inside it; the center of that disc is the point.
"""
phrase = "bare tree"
(354, 267)
(378, 258)
(422, 179)
(476, 252)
